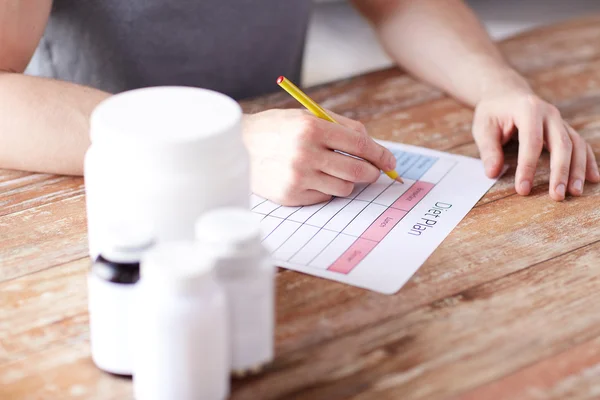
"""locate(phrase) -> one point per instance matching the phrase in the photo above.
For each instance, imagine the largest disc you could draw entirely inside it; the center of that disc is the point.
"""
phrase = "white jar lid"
(126, 241)
(229, 227)
(180, 266)
(166, 118)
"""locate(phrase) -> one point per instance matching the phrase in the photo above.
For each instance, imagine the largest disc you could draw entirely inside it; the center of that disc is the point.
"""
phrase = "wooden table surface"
(508, 306)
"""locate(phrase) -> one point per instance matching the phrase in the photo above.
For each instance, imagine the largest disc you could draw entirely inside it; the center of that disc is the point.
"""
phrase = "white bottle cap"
(174, 125)
(232, 228)
(178, 266)
(127, 241)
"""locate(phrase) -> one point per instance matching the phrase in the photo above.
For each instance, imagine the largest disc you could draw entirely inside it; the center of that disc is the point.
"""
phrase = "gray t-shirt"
(237, 47)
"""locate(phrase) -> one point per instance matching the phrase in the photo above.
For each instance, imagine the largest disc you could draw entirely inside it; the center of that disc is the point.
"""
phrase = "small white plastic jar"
(181, 350)
(163, 155)
(112, 281)
(232, 238)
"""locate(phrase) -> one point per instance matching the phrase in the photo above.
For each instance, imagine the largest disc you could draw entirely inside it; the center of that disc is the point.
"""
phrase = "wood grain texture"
(450, 345)
(40, 310)
(36, 190)
(42, 237)
(563, 376)
(504, 309)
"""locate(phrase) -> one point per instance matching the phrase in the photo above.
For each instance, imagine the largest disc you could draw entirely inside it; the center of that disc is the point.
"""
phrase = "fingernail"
(391, 162)
(578, 185)
(525, 186)
(560, 189)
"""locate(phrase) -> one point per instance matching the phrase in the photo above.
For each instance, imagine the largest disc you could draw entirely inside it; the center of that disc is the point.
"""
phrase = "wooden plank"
(480, 335)
(9, 175)
(334, 341)
(452, 345)
(28, 324)
(572, 41)
(572, 374)
(339, 293)
(42, 237)
(311, 310)
(37, 190)
(360, 97)
(65, 372)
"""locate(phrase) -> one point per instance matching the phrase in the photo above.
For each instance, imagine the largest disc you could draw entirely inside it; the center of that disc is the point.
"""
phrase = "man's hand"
(293, 160)
(443, 43)
(539, 124)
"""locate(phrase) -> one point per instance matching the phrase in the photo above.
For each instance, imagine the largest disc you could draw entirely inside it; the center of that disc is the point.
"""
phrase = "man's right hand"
(293, 161)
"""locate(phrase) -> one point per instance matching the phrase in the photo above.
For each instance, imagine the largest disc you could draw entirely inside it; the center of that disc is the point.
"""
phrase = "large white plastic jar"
(163, 155)
(181, 332)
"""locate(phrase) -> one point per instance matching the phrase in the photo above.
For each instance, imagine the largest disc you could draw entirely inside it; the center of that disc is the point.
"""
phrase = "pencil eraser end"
(280, 79)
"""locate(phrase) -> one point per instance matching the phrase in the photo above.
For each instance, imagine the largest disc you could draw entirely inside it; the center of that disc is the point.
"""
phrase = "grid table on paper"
(338, 234)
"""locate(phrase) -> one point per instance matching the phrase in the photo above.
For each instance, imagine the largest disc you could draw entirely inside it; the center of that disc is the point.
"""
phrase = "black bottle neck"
(116, 272)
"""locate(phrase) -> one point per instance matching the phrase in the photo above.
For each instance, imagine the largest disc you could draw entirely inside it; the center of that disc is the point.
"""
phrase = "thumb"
(488, 137)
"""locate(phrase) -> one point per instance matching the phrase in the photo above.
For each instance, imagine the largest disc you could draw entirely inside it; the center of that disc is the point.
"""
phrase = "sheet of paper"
(379, 236)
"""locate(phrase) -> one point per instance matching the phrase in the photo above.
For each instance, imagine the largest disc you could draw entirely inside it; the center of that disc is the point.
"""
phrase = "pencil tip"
(398, 179)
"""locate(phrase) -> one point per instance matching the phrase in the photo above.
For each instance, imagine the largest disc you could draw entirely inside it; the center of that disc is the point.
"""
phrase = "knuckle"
(536, 139)
(553, 111)
(565, 142)
(528, 166)
(563, 170)
(309, 129)
(578, 142)
(362, 143)
(532, 102)
(360, 127)
(358, 171)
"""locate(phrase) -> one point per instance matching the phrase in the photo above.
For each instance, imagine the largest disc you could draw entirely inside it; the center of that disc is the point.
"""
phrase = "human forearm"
(44, 123)
(443, 43)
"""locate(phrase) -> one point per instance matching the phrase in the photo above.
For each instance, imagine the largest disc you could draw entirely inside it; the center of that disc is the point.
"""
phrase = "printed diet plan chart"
(379, 236)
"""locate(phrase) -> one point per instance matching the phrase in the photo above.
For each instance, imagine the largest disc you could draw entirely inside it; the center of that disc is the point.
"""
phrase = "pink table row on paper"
(380, 228)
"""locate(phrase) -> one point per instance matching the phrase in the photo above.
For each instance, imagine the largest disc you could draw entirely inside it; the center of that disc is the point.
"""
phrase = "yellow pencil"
(318, 111)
